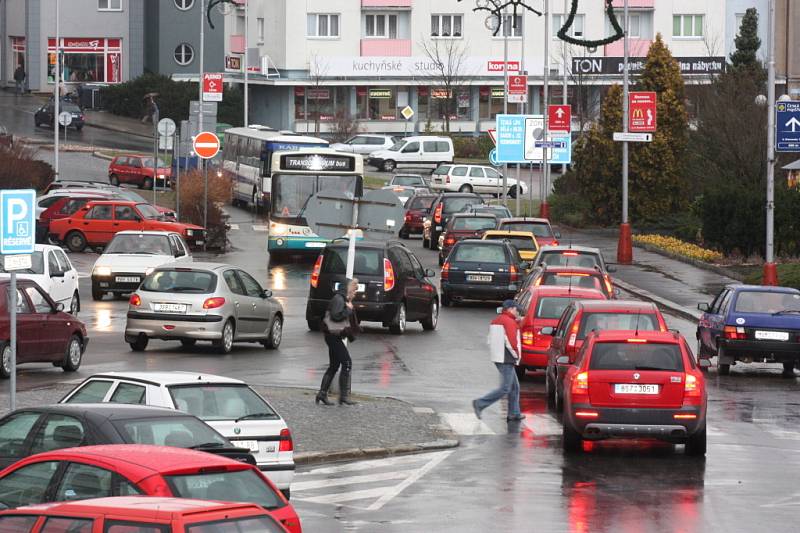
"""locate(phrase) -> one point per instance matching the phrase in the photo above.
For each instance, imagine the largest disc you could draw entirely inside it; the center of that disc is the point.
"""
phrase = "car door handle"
(236, 304)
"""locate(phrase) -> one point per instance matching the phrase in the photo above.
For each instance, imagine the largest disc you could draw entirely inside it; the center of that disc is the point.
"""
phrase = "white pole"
(506, 31)
(544, 210)
(13, 339)
(564, 85)
(200, 76)
(770, 271)
(521, 105)
(246, 61)
(57, 98)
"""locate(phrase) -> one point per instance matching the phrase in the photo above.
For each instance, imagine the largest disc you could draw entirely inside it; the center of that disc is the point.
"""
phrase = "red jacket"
(511, 327)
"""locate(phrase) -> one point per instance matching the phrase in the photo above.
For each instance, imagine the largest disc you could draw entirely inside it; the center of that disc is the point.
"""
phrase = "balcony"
(386, 47)
(388, 3)
(237, 44)
(635, 4)
(637, 48)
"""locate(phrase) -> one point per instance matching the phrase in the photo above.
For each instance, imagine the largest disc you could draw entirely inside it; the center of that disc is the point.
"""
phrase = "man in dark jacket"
(19, 79)
(338, 324)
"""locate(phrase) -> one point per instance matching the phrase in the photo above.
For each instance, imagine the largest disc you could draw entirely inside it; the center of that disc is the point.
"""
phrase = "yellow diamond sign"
(407, 112)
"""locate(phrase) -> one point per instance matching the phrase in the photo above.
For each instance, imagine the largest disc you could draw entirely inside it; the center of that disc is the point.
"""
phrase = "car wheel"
(76, 242)
(140, 344)
(398, 327)
(788, 369)
(97, 294)
(225, 344)
(275, 334)
(465, 188)
(446, 301)
(254, 201)
(558, 399)
(571, 440)
(389, 165)
(74, 355)
(430, 322)
(5, 360)
(188, 343)
(113, 180)
(512, 192)
(75, 304)
(696, 445)
(404, 235)
(147, 183)
(314, 324)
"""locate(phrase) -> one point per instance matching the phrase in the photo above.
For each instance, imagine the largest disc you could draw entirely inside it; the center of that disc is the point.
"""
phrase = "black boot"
(344, 388)
(322, 395)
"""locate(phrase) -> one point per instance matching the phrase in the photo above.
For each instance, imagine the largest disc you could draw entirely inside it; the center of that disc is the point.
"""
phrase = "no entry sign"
(206, 145)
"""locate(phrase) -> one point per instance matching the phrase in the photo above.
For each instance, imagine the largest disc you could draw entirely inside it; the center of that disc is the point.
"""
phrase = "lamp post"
(625, 245)
(57, 96)
(544, 207)
(770, 276)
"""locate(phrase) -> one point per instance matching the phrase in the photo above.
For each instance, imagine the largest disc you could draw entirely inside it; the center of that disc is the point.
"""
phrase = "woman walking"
(338, 324)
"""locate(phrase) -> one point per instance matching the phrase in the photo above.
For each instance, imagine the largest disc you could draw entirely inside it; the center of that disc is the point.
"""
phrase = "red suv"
(97, 222)
(635, 384)
(138, 170)
(584, 316)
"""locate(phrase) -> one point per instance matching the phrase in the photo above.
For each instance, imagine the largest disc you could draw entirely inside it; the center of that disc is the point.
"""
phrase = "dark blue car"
(751, 323)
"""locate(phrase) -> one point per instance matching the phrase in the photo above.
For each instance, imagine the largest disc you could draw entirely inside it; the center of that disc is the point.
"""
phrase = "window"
(411, 148)
(99, 212)
(444, 26)
(239, 486)
(476, 172)
(184, 5)
(109, 5)
(22, 302)
(71, 525)
(125, 212)
(490, 102)
(634, 26)
(12, 524)
(376, 103)
(13, 433)
(512, 28)
(81, 482)
(27, 485)
(66, 266)
(321, 103)
(128, 393)
(576, 30)
(92, 392)
(322, 25)
(58, 432)
(184, 53)
(687, 26)
(39, 301)
(178, 431)
(221, 402)
(459, 171)
(636, 356)
(233, 282)
(771, 303)
(260, 29)
(52, 263)
(552, 307)
(127, 526)
(251, 286)
(380, 26)
(263, 524)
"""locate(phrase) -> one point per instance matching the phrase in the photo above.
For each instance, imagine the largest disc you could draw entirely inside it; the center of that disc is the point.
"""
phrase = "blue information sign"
(17, 221)
(787, 124)
(510, 139)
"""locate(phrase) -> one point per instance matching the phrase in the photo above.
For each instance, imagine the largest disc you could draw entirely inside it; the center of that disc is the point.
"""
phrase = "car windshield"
(537, 228)
(454, 205)
(636, 356)
(479, 253)
(409, 181)
(72, 108)
(617, 321)
(177, 431)
(568, 279)
(129, 195)
(767, 302)
(422, 202)
(139, 244)
(570, 258)
(474, 223)
(221, 402)
(147, 162)
(368, 261)
(518, 242)
(552, 306)
(397, 146)
(248, 524)
(148, 211)
(37, 264)
(240, 486)
(499, 212)
(180, 281)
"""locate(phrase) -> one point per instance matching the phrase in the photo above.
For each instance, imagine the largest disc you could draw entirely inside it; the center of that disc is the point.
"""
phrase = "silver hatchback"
(203, 302)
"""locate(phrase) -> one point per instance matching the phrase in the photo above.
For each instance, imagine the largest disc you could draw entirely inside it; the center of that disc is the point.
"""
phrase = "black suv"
(445, 205)
(393, 288)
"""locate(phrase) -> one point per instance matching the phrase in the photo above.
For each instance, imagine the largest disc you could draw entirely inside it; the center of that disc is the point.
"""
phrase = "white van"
(422, 150)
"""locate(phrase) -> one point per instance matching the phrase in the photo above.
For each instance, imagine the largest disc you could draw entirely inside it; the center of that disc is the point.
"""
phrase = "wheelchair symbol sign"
(17, 221)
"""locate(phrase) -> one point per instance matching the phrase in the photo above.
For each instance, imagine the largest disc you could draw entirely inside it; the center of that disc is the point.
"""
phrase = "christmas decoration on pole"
(619, 33)
(497, 7)
(222, 8)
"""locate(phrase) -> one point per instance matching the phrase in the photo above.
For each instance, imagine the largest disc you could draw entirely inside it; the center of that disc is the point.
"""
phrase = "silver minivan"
(421, 150)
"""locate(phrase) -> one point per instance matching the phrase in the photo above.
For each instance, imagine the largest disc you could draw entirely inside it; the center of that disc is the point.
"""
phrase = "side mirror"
(557, 234)
(59, 308)
(704, 307)
(617, 292)
(611, 268)
(266, 293)
(563, 360)
(430, 273)
(704, 363)
(549, 330)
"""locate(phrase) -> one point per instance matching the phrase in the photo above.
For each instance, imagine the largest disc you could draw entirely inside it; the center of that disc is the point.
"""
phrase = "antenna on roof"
(638, 314)
(570, 282)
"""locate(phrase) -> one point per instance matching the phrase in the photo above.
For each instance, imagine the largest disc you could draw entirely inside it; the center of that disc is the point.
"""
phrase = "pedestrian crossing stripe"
(262, 228)
(465, 424)
(234, 226)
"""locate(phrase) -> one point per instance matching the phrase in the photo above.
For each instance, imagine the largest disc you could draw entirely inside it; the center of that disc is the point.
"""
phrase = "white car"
(474, 178)
(52, 270)
(416, 151)
(365, 144)
(228, 405)
(131, 255)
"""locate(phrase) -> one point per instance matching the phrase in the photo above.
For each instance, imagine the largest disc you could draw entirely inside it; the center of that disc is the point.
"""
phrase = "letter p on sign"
(17, 221)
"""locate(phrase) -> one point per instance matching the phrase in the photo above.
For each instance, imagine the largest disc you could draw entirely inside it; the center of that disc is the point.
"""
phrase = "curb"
(117, 130)
(305, 458)
(683, 312)
(722, 271)
(100, 155)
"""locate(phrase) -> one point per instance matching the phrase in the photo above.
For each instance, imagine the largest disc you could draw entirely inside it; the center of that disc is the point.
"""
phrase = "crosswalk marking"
(363, 465)
(234, 226)
(466, 424)
(259, 227)
(543, 425)
(353, 480)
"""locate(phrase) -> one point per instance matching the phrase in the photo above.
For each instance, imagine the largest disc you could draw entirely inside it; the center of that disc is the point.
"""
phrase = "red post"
(544, 210)
(625, 245)
(770, 274)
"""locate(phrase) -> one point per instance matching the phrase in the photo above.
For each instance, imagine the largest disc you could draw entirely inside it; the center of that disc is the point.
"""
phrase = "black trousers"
(339, 356)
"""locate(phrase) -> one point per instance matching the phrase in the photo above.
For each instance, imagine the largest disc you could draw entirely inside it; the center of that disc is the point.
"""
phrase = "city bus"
(246, 158)
(296, 176)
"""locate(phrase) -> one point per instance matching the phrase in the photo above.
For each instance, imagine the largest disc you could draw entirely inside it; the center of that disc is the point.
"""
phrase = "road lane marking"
(466, 424)
(393, 493)
(352, 480)
(543, 425)
(234, 226)
(259, 227)
(363, 465)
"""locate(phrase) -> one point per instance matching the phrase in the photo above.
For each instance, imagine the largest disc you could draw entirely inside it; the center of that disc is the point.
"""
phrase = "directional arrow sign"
(787, 124)
(559, 117)
(793, 123)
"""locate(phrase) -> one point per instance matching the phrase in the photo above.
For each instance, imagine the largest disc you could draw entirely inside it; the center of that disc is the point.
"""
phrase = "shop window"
(446, 26)
(109, 5)
(320, 103)
(438, 103)
(184, 5)
(18, 55)
(86, 59)
(376, 103)
(380, 26)
(490, 102)
(322, 25)
(260, 29)
(184, 54)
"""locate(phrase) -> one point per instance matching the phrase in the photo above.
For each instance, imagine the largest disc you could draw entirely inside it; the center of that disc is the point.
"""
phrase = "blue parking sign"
(17, 221)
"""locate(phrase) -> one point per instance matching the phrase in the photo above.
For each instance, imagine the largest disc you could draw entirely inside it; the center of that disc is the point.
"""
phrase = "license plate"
(475, 277)
(251, 445)
(772, 335)
(169, 308)
(361, 287)
(635, 388)
(127, 279)
(315, 245)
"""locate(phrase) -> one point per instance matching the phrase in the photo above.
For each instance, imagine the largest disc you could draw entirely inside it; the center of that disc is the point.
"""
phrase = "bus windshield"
(290, 192)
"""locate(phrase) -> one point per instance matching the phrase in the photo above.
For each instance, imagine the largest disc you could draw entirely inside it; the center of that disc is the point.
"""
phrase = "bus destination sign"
(318, 162)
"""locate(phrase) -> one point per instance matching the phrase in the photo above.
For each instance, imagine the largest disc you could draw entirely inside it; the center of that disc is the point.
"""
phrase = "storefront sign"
(87, 59)
(411, 67)
(498, 92)
(497, 66)
(441, 93)
(233, 63)
(319, 94)
(212, 87)
(318, 162)
(615, 65)
(380, 93)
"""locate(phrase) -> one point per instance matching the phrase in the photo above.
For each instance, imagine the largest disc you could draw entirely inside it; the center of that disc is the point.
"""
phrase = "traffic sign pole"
(625, 245)
(13, 340)
(770, 268)
(544, 207)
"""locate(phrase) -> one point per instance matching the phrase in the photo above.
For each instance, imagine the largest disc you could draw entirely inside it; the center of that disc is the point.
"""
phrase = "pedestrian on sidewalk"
(338, 324)
(19, 79)
(505, 350)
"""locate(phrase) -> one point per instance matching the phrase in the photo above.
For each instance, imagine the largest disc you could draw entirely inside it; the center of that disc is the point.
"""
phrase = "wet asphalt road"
(505, 477)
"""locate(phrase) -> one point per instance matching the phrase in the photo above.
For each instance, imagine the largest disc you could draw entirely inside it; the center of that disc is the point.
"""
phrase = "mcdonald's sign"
(642, 112)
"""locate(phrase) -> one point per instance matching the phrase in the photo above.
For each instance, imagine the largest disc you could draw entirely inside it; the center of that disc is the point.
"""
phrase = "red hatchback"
(635, 384)
(543, 308)
(138, 170)
(417, 208)
(584, 316)
(137, 469)
(585, 278)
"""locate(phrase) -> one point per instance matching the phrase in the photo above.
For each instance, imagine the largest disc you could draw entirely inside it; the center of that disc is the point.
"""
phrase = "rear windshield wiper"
(786, 312)
(208, 445)
(256, 415)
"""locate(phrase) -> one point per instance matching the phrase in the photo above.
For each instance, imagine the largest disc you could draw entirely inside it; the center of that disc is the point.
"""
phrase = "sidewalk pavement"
(374, 427)
(106, 121)
(673, 284)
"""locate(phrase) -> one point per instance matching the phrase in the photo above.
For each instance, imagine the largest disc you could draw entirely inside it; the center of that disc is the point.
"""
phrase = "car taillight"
(735, 333)
(580, 384)
(609, 285)
(287, 444)
(214, 303)
(437, 214)
(388, 275)
(447, 178)
(514, 273)
(555, 242)
(408, 217)
(587, 414)
(691, 387)
(450, 240)
(528, 336)
(570, 254)
(637, 341)
(315, 273)
(445, 271)
(573, 335)
(135, 300)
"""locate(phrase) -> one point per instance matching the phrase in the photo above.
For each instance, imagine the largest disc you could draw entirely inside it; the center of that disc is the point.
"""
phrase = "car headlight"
(278, 229)
(102, 271)
(190, 233)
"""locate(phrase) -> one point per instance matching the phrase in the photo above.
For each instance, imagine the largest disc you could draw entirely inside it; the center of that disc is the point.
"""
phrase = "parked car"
(97, 222)
(499, 211)
(203, 302)
(78, 196)
(228, 405)
(61, 206)
(137, 469)
(523, 241)
(417, 208)
(543, 307)
(45, 334)
(409, 180)
(60, 195)
(582, 317)
(415, 151)
(72, 184)
(138, 514)
(52, 270)
(366, 143)
(45, 115)
(393, 288)
(35, 430)
(445, 205)
(131, 255)
(463, 226)
(474, 178)
(138, 170)
(587, 278)
(628, 384)
(540, 227)
(481, 270)
(748, 323)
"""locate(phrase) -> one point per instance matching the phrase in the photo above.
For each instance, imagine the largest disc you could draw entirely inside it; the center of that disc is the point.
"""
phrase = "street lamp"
(770, 276)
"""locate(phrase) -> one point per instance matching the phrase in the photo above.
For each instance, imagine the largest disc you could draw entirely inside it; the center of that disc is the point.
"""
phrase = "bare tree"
(317, 71)
(584, 110)
(447, 69)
